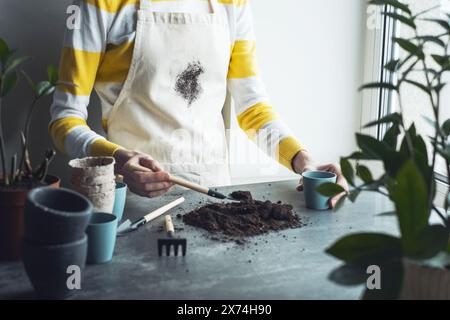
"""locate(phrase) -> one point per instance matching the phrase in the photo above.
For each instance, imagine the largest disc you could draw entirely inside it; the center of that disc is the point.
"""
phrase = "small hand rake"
(171, 240)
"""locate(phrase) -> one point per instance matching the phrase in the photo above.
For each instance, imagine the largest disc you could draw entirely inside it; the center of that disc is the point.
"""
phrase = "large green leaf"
(44, 88)
(410, 47)
(365, 174)
(8, 83)
(347, 171)
(403, 19)
(392, 65)
(353, 195)
(394, 3)
(52, 74)
(391, 136)
(430, 242)
(443, 61)
(378, 85)
(12, 64)
(340, 203)
(411, 202)
(446, 127)
(330, 189)
(366, 248)
(445, 153)
(419, 85)
(371, 147)
(420, 154)
(391, 282)
(435, 40)
(4, 51)
(395, 118)
(443, 23)
(29, 81)
(349, 275)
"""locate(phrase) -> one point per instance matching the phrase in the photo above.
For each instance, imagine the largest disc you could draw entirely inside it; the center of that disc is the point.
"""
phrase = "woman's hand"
(147, 184)
(303, 162)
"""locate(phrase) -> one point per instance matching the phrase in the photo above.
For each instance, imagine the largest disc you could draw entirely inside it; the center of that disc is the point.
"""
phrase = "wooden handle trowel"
(186, 184)
(128, 226)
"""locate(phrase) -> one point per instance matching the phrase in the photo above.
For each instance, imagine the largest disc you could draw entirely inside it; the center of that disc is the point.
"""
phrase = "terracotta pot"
(425, 283)
(12, 202)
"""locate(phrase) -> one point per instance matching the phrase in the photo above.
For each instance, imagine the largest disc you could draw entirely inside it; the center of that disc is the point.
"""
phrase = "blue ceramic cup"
(101, 233)
(119, 200)
(311, 180)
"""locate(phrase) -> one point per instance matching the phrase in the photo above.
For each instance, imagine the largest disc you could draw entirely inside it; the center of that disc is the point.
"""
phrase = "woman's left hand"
(303, 162)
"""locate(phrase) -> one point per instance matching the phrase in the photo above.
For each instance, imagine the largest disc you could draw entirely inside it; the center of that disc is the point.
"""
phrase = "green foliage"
(408, 180)
(9, 77)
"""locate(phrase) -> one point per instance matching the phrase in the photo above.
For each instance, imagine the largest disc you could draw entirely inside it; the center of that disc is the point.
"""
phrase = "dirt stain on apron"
(188, 85)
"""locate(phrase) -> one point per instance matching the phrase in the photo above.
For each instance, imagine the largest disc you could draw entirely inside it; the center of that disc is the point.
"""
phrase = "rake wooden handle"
(178, 181)
(169, 225)
(155, 214)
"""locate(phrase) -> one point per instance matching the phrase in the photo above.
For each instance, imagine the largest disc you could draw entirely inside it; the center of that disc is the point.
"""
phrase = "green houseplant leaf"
(365, 174)
(8, 83)
(410, 198)
(394, 118)
(330, 189)
(410, 47)
(403, 19)
(378, 85)
(394, 3)
(432, 240)
(391, 136)
(347, 170)
(12, 64)
(366, 248)
(348, 275)
(446, 127)
(4, 51)
(52, 74)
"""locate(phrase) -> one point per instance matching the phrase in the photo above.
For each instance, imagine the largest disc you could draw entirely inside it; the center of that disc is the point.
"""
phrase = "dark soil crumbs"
(246, 218)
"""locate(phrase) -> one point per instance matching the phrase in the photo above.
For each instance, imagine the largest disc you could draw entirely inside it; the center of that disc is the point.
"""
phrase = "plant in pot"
(408, 178)
(17, 174)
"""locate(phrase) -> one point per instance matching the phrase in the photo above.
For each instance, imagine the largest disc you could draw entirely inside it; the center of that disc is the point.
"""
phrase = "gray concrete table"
(290, 264)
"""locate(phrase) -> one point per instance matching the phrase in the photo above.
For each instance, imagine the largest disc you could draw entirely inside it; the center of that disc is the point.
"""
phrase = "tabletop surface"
(289, 264)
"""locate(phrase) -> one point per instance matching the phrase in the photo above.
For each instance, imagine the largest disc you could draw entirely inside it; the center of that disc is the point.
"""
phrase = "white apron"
(171, 102)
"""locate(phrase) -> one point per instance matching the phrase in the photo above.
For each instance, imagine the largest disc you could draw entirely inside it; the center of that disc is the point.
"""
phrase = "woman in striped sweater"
(162, 69)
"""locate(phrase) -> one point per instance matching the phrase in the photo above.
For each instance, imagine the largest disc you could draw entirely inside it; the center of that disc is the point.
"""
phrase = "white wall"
(311, 57)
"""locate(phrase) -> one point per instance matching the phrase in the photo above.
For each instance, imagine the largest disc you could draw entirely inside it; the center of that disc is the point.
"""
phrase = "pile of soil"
(246, 218)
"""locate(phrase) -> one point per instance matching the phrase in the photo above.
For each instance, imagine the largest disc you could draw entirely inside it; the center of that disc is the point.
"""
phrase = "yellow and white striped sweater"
(97, 55)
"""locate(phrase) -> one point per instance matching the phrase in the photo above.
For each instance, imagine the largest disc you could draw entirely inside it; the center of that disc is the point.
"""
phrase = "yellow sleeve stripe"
(243, 60)
(116, 62)
(287, 150)
(103, 148)
(254, 118)
(105, 125)
(113, 6)
(61, 128)
(78, 67)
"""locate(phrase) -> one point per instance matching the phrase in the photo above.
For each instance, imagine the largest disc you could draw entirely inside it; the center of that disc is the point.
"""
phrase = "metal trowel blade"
(125, 227)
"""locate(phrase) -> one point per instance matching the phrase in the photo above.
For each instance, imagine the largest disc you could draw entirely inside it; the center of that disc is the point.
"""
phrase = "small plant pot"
(425, 283)
(47, 267)
(12, 202)
(94, 178)
(56, 216)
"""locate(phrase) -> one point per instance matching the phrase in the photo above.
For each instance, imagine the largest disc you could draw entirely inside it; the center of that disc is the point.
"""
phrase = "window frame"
(379, 103)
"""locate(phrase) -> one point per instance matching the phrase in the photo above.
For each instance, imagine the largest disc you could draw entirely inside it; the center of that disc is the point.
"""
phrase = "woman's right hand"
(147, 184)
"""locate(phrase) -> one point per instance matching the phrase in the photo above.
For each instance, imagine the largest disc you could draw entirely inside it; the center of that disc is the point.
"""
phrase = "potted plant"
(411, 265)
(17, 174)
